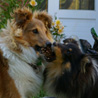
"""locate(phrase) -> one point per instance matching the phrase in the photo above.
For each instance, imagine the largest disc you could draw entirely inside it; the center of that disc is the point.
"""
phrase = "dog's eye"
(35, 31)
(69, 51)
(46, 32)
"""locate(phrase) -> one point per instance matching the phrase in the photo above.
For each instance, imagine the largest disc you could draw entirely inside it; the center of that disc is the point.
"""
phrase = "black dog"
(83, 44)
(71, 74)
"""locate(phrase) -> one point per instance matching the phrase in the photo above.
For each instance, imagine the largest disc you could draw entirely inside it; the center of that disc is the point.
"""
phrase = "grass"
(41, 94)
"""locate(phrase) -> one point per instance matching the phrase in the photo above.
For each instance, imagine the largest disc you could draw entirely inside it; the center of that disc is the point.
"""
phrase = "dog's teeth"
(62, 73)
(42, 49)
(47, 51)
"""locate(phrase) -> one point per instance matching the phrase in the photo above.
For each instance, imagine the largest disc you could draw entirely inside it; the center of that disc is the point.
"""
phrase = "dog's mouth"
(38, 48)
(48, 53)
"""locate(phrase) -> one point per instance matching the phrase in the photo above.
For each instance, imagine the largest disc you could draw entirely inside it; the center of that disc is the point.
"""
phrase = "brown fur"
(72, 74)
(56, 70)
(22, 26)
(43, 16)
(46, 19)
(28, 22)
(6, 83)
(22, 16)
(20, 31)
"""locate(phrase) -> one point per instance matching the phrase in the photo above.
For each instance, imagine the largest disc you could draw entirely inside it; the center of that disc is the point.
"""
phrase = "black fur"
(75, 83)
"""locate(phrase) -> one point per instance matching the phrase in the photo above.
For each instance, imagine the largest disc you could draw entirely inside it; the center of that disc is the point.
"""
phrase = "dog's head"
(70, 40)
(34, 30)
(47, 20)
(70, 72)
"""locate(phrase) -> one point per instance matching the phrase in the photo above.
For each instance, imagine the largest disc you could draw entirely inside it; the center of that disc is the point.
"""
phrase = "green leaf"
(94, 32)
(55, 34)
(55, 17)
(39, 61)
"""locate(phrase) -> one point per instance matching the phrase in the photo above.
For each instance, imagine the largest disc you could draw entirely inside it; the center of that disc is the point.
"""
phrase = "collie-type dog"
(20, 77)
(71, 74)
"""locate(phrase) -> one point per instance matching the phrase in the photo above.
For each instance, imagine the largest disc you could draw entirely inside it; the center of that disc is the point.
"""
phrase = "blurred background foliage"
(7, 6)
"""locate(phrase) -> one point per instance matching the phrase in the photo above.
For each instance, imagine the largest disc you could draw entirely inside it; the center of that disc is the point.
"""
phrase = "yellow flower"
(53, 23)
(57, 26)
(33, 3)
(62, 27)
(60, 31)
(58, 22)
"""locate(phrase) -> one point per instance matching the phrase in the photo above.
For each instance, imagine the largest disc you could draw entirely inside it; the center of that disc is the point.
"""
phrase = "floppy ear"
(86, 64)
(44, 17)
(22, 16)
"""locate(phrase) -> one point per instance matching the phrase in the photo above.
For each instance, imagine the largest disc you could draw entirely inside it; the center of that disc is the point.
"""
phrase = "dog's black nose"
(54, 44)
(48, 44)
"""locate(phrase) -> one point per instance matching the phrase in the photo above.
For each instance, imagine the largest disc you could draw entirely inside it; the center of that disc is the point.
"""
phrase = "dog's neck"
(27, 55)
(25, 77)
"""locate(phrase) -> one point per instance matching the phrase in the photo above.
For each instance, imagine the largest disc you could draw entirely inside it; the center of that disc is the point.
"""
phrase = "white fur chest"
(27, 81)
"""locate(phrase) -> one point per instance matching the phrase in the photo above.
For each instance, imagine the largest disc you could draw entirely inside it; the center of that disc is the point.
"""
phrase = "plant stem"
(3, 7)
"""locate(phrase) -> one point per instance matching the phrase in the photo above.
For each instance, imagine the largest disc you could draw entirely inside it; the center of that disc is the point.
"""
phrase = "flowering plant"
(57, 30)
(33, 3)
(7, 6)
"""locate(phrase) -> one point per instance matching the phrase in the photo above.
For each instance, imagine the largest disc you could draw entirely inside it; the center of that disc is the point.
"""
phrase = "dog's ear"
(22, 16)
(44, 17)
(86, 63)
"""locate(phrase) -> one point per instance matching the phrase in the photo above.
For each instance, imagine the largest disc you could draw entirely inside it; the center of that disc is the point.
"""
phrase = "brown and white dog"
(19, 75)
(71, 74)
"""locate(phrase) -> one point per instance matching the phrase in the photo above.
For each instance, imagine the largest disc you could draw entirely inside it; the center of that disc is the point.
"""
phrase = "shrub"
(7, 6)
